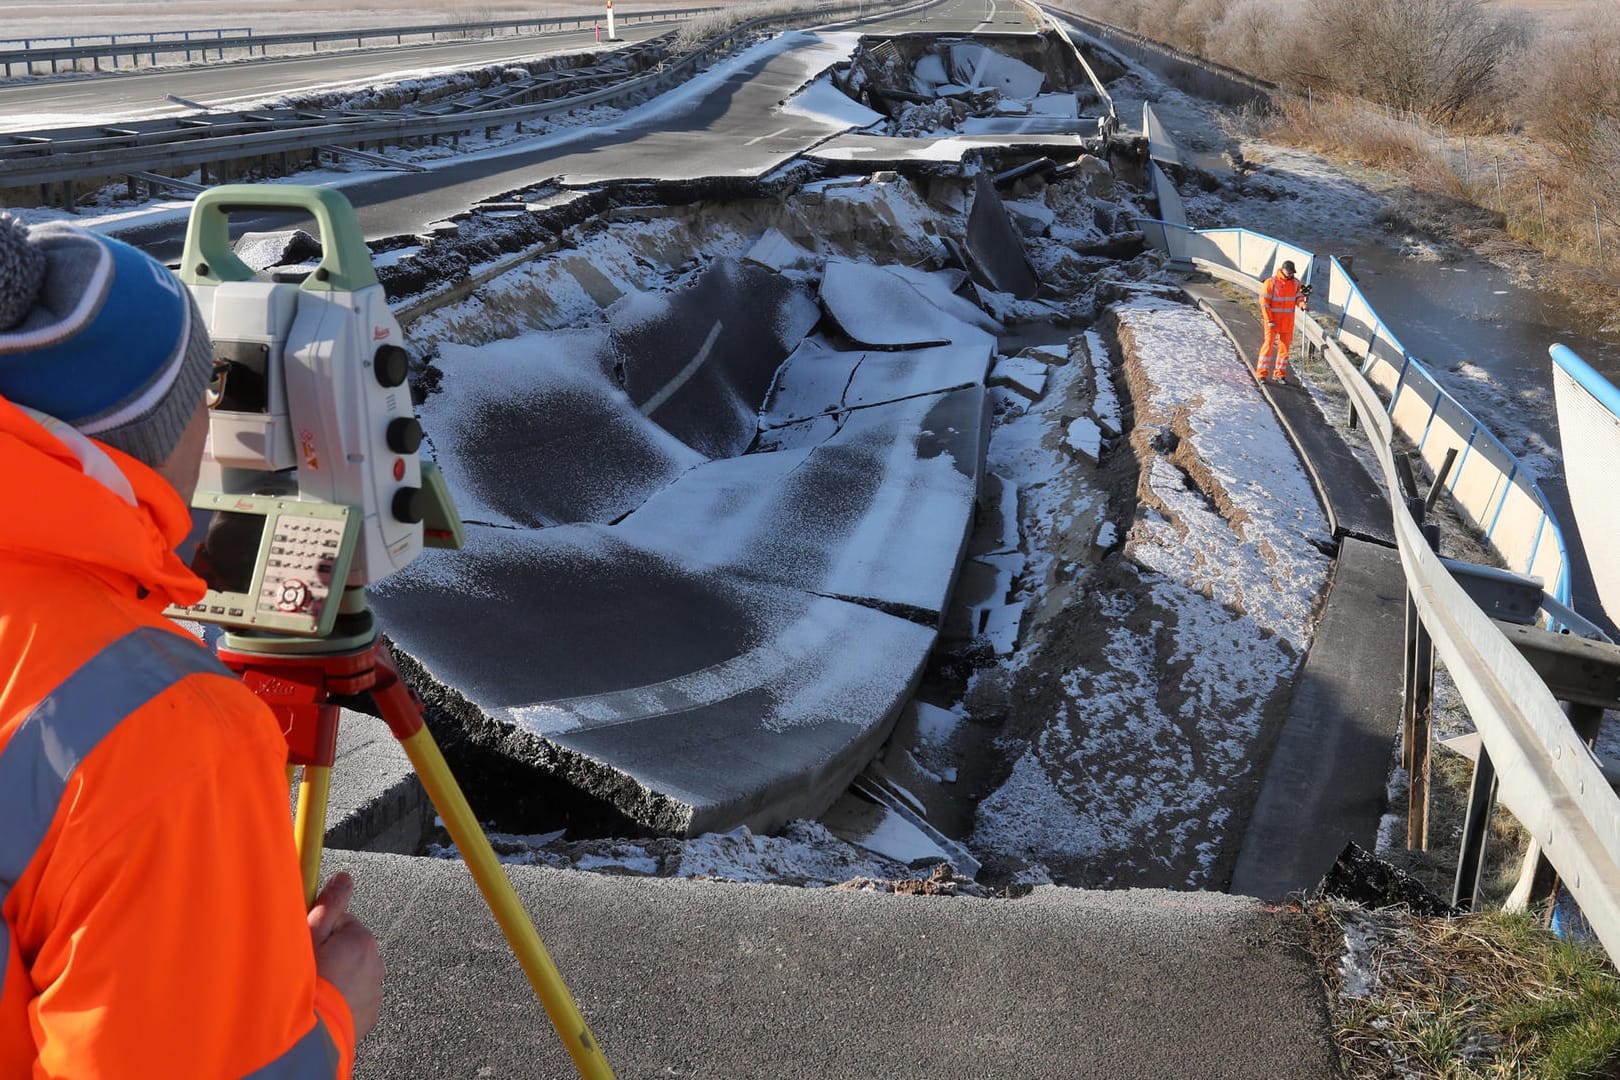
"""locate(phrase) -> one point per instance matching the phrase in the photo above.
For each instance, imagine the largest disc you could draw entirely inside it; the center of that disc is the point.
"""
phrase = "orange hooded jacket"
(154, 921)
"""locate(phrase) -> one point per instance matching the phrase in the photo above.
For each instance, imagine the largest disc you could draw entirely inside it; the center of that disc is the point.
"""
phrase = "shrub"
(1439, 58)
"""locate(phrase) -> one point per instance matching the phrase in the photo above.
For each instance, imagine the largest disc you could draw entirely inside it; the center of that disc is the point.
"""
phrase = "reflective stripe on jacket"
(1279, 296)
(153, 920)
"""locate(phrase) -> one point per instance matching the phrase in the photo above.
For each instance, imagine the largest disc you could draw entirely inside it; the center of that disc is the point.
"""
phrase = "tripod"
(297, 678)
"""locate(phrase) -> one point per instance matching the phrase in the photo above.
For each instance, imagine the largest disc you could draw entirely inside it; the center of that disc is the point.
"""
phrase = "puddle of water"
(1467, 309)
(1030, 335)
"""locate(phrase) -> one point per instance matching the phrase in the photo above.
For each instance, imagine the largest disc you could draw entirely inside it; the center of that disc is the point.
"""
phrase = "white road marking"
(989, 17)
(762, 138)
(671, 387)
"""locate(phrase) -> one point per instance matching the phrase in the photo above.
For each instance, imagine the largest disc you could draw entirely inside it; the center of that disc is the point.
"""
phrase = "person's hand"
(346, 954)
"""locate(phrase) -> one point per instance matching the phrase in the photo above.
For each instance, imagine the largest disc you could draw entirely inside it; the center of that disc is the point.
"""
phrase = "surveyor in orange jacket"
(1280, 295)
(153, 922)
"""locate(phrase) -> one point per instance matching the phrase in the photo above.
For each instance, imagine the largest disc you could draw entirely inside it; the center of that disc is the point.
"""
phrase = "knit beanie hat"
(100, 336)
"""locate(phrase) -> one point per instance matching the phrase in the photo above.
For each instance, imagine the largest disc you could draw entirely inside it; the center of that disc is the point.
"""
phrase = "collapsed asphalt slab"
(698, 636)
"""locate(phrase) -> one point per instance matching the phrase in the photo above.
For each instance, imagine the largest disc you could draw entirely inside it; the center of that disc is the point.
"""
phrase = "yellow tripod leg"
(309, 826)
(503, 903)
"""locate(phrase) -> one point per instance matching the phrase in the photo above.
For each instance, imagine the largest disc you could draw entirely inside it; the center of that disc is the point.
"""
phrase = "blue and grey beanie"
(100, 336)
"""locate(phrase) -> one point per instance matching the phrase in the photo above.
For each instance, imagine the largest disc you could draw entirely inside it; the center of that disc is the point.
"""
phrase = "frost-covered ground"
(1156, 570)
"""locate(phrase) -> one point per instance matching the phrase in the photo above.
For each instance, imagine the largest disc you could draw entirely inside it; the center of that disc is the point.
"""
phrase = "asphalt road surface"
(735, 130)
(139, 96)
(706, 979)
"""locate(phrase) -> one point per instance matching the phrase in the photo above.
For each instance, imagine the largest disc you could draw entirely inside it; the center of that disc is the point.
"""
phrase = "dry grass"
(1469, 998)
(1504, 195)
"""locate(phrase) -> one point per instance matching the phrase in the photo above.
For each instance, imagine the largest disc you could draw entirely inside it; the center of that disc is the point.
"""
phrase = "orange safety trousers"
(153, 911)
(1278, 333)
(1279, 297)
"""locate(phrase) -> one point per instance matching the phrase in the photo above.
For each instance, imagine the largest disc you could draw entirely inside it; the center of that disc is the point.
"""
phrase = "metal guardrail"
(110, 41)
(1489, 484)
(1548, 777)
(108, 162)
(263, 42)
(1123, 40)
(1044, 18)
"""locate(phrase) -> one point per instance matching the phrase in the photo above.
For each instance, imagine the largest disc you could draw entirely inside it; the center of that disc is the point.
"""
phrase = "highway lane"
(963, 17)
(143, 95)
(731, 128)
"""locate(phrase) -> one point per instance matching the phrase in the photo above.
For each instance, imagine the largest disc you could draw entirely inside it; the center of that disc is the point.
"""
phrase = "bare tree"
(1571, 98)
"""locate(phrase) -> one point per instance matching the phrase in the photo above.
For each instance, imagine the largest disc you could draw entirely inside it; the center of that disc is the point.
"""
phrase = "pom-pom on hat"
(100, 336)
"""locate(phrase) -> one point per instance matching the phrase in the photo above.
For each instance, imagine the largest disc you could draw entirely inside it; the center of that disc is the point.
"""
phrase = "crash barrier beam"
(1162, 148)
(1044, 18)
(106, 163)
(1546, 774)
(1589, 417)
(248, 42)
(185, 38)
(206, 123)
(1492, 488)
(1240, 85)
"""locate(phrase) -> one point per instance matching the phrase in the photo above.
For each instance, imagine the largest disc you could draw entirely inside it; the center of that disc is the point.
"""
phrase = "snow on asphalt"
(1246, 534)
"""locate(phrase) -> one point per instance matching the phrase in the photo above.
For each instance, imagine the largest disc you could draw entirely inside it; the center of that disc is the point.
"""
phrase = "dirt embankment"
(1139, 723)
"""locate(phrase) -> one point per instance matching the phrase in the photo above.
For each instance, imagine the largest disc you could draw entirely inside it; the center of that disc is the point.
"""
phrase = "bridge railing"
(1491, 487)
(1549, 778)
(1589, 418)
(1547, 775)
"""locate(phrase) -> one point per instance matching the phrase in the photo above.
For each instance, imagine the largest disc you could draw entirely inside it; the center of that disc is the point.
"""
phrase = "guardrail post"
(1439, 481)
(1476, 827)
(1417, 700)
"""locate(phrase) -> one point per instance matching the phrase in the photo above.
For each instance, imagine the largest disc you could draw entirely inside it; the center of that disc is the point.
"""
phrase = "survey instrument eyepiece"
(311, 469)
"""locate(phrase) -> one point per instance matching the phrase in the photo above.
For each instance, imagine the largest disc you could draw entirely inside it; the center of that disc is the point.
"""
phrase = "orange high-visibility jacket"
(154, 919)
(1278, 299)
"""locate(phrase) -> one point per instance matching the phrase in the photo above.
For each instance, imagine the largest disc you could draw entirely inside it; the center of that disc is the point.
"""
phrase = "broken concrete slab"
(929, 73)
(819, 379)
(1033, 218)
(689, 699)
(944, 289)
(887, 151)
(811, 382)
(883, 310)
(998, 254)
(1001, 627)
(536, 434)
(1024, 374)
(699, 360)
(1085, 126)
(1056, 104)
(976, 65)
(879, 512)
(774, 250)
(894, 376)
(1084, 437)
